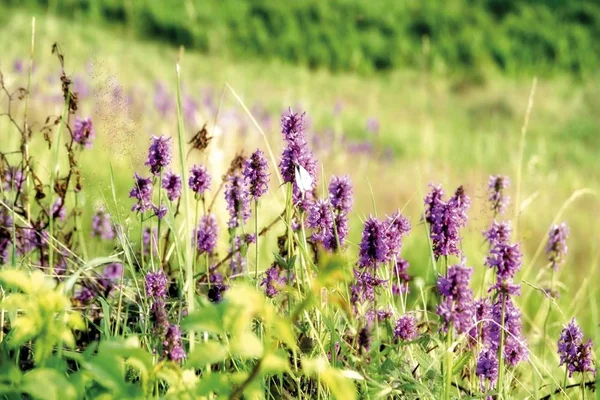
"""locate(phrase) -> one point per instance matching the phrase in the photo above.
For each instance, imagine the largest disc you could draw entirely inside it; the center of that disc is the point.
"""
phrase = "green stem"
(500, 355)
(189, 284)
(256, 238)
(448, 364)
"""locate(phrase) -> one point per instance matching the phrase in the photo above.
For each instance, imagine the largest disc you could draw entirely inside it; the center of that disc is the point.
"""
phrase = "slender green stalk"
(545, 334)
(256, 238)
(448, 365)
(160, 177)
(189, 265)
(500, 355)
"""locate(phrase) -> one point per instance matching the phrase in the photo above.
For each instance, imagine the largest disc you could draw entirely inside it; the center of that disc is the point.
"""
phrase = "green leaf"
(460, 362)
(48, 384)
(274, 363)
(246, 345)
(209, 352)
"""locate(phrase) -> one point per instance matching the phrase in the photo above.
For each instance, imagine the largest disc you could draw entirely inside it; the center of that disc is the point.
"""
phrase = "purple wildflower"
(172, 349)
(364, 288)
(446, 219)
(256, 174)
(207, 234)
(400, 277)
(83, 132)
(479, 332)
(406, 328)
(487, 367)
(238, 260)
(238, 204)
(556, 249)
(456, 307)
(341, 194)
(113, 271)
(199, 179)
(172, 184)
(432, 201)
(156, 285)
(499, 232)
(159, 211)
(159, 154)
(292, 125)
(339, 226)
(84, 295)
(374, 246)
(296, 154)
(396, 227)
(158, 315)
(273, 281)
(496, 193)
(102, 227)
(514, 349)
(142, 192)
(506, 258)
(13, 179)
(574, 353)
(320, 219)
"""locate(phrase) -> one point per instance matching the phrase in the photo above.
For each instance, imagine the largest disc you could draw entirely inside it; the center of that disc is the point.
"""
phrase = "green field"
(452, 128)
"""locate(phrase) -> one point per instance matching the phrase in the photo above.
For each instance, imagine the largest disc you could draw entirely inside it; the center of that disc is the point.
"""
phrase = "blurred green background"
(467, 36)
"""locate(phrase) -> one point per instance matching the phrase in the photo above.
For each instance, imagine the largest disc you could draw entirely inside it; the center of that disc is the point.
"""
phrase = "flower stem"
(256, 238)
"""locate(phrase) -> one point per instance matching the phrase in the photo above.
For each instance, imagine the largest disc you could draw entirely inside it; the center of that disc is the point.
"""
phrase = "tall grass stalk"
(189, 286)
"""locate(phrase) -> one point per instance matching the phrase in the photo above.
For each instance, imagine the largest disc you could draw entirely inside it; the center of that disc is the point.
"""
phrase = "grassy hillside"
(516, 37)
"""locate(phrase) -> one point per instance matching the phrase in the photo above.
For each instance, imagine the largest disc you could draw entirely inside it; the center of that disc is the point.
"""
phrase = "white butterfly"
(303, 179)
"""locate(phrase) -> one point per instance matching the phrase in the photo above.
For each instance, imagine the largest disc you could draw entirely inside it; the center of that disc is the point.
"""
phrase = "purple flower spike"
(456, 307)
(13, 179)
(172, 349)
(574, 353)
(256, 174)
(199, 180)
(506, 258)
(292, 125)
(499, 232)
(320, 219)
(487, 368)
(496, 193)
(156, 285)
(406, 328)
(238, 203)
(341, 193)
(273, 281)
(172, 184)
(142, 192)
(296, 155)
(207, 234)
(374, 247)
(432, 201)
(159, 154)
(396, 227)
(102, 226)
(556, 249)
(160, 211)
(446, 219)
(83, 132)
